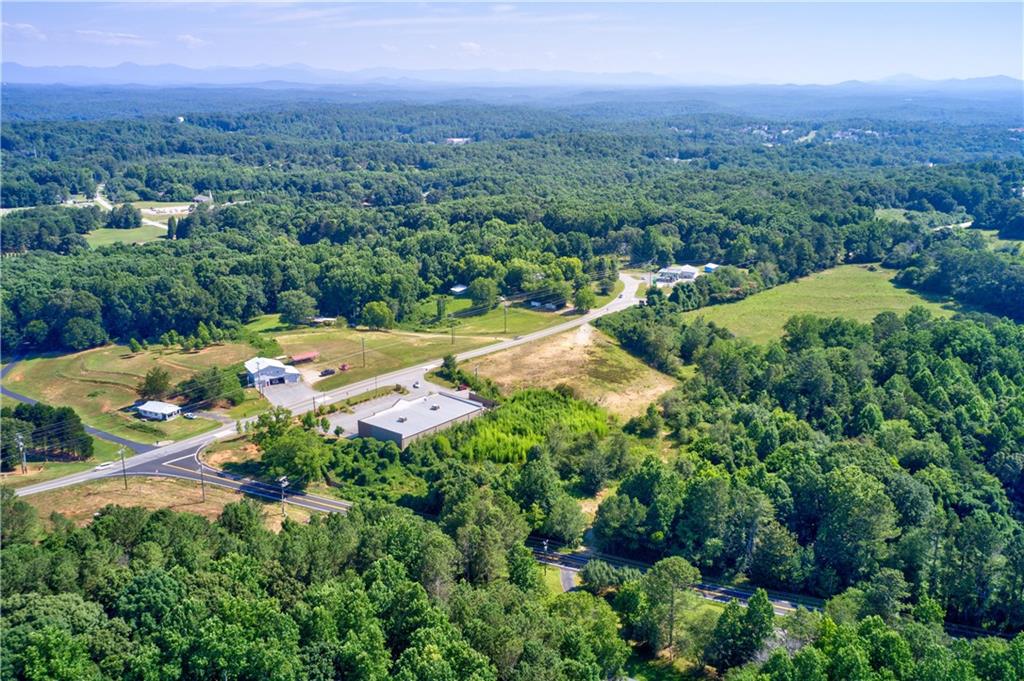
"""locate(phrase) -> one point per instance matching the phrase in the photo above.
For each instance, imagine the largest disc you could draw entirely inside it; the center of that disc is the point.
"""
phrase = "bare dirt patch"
(589, 505)
(584, 358)
(241, 452)
(80, 502)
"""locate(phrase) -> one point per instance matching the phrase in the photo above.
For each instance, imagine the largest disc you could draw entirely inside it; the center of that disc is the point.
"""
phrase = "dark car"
(327, 372)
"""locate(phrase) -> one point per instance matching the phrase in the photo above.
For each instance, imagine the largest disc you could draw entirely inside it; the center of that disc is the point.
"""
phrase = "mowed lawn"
(851, 291)
(385, 350)
(41, 471)
(138, 235)
(100, 385)
(521, 319)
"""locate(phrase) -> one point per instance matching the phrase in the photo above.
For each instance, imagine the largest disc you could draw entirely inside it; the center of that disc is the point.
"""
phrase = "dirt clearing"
(584, 358)
(80, 502)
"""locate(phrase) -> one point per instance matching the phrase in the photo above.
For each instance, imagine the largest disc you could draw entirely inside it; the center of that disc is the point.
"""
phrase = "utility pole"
(21, 450)
(283, 481)
(506, 318)
(453, 335)
(202, 477)
(364, 351)
(124, 468)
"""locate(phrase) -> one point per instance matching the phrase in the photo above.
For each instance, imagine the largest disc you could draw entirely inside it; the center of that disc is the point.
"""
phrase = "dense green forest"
(817, 463)
(357, 203)
(877, 466)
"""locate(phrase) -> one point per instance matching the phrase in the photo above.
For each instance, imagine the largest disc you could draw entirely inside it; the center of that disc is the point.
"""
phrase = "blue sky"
(694, 42)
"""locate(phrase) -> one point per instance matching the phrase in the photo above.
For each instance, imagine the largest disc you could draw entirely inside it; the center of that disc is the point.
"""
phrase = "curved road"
(180, 460)
(136, 447)
(148, 456)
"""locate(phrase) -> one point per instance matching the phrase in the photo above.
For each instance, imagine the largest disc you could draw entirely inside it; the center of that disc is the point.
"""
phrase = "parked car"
(344, 367)
(416, 384)
(189, 415)
(327, 372)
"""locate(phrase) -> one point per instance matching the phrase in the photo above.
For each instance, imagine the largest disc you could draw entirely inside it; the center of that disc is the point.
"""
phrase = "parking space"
(289, 394)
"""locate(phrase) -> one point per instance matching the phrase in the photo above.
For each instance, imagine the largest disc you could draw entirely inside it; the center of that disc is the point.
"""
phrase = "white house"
(158, 411)
(459, 289)
(266, 371)
(710, 267)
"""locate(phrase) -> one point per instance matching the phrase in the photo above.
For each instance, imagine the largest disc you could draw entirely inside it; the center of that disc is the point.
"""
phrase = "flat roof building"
(408, 420)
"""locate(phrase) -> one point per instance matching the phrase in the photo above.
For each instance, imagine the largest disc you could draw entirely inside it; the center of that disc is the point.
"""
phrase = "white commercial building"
(677, 273)
(407, 420)
(265, 371)
(158, 411)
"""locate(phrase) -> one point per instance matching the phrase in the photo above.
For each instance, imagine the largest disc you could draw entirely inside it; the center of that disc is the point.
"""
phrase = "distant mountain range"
(302, 75)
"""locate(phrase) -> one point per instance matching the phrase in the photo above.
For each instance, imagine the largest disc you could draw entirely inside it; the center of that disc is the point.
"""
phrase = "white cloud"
(503, 8)
(27, 31)
(113, 39)
(471, 48)
(389, 47)
(190, 41)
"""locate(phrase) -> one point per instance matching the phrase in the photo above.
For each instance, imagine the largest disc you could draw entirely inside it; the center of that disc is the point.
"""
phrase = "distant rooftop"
(409, 417)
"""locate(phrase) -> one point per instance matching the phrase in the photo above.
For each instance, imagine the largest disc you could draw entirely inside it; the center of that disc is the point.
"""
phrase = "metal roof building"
(158, 411)
(408, 420)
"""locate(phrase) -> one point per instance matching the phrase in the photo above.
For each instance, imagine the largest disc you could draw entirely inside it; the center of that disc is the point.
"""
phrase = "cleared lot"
(584, 358)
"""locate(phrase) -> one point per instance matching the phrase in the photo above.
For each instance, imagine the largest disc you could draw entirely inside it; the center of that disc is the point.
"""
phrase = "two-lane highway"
(144, 460)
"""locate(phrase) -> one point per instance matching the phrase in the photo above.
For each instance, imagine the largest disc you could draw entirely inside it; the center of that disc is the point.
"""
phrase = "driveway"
(289, 394)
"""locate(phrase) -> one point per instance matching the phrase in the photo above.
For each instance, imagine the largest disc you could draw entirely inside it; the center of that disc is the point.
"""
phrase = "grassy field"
(266, 323)
(183, 205)
(41, 471)
(254, 404)
(603, 300)
(521, 320)
(385, 350)
(552, 579)
(851, 291)
(894, 214)
(100, 384)
(584, 358)
(79, 502)
(138, 235)
(995, 243)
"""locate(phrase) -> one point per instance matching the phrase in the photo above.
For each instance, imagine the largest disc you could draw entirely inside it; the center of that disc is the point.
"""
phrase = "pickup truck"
(327, 372)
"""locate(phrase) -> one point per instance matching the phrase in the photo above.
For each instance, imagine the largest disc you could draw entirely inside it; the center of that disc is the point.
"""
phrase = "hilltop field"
(857, 292)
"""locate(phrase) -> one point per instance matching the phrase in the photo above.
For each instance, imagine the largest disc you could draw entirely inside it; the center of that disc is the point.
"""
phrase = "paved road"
(783, 604)
(568, 578)
(136, 447)
(182, 462)
(406, 376)
(103, 203)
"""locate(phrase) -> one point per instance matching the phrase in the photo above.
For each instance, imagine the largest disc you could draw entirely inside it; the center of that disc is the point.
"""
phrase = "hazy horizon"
(686, 43)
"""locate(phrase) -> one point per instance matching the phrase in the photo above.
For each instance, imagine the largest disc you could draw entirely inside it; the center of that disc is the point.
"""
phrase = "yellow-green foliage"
(507, 434)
